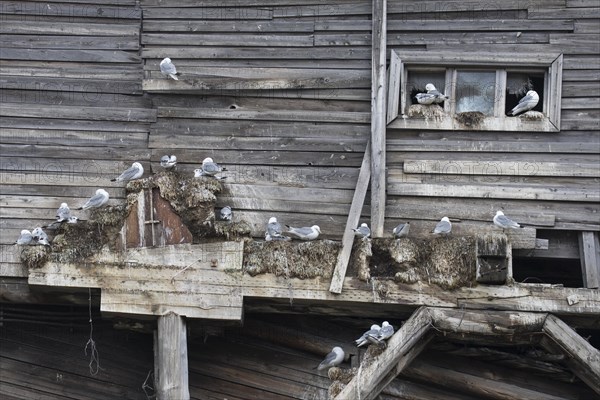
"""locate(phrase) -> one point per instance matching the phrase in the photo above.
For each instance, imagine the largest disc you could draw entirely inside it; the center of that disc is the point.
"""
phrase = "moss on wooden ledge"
(291, 259)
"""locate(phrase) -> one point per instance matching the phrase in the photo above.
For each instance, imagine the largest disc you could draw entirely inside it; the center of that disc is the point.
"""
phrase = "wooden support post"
(378, 118)
(366, 385)
(590, 263)
(172, 377)
(582, 357)
(337, 280)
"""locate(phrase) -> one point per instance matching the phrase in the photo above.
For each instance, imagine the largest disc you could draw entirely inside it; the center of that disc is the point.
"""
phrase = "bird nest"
(432, 111)
(532, 116)
(470, 118)
(291, 259)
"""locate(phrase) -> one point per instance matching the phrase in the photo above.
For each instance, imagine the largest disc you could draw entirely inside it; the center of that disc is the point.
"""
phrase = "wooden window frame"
(551, 64)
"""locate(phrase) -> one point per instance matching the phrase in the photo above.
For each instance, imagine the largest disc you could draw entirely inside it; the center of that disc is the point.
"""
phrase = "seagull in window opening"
(97, 200)
(443, 227)
(369, 336)
(25, 239)
(134, 172)
(305, 233)
(332, 359)
(226, 214)
(363, 231)
(40, 237)
(274, 231)
(168, 162)
(63, 213)
(168, 68)
(439, 97)
(401, 230)
(526, 103)
(504, 222)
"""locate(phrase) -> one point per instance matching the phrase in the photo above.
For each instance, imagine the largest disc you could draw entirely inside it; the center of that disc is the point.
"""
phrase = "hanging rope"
(94, 364)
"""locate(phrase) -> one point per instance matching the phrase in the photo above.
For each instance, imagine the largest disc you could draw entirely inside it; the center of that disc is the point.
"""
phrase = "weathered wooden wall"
(72, 114)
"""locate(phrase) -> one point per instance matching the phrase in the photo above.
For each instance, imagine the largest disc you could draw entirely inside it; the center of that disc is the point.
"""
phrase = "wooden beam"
(583, 358)
(366, 384)
(358, 199)
(590, 263)
(172, 382)
(378, 119)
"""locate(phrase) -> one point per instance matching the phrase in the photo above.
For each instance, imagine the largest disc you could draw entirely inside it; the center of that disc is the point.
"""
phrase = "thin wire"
(94, 364)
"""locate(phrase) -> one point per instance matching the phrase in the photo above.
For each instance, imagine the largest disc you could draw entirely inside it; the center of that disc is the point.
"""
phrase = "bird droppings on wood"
(334, 389)
(342, 375)
(360, 261)
(470, 119)
(291, 259)
(448, 262)
(532, 116)
(432, 111)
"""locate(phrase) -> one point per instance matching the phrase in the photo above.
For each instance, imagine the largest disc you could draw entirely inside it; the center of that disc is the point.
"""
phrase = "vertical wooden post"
(378, 120)
(171, 357)
(590, 263)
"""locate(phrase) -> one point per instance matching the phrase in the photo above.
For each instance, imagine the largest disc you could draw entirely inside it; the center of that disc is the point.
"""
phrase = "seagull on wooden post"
(526, 103)
(443, 227)
(332, 359)
(134, 172)
(504, 222)
(168, 68)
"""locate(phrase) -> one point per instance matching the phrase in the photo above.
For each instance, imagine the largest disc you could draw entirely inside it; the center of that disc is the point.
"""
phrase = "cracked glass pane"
(475, 91)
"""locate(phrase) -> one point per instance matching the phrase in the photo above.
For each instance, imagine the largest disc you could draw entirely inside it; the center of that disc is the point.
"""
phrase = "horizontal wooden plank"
(65, 96)
(282, 193)
(575, 61)
(586, 26)
(95, 88)
(69, 29)
(582, 103)
(425, 38)
(70, 42)
(67, 124)
(581, 89)
(540, 13)
(70, 10)
(225, 26)
(24, 177)
(578, 48)
(460, 25)
(208, 13)
(71, 70)
(71, 112)
(103, 56)
(355, 53)
(264, 39)
(224, 62)
(74, 138)
(270, 115)
(507, 168)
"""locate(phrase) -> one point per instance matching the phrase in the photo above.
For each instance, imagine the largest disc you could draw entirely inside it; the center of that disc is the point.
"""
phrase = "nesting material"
(470, 119)
(341, 374)
(232, 230)
(361, 258)
(532, 116)
(334, 389)
(448, 262)
(291, 259)
(35, 256)
(432, 111)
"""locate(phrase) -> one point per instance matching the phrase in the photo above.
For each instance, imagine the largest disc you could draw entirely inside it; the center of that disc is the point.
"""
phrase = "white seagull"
(168, 162)
(305, 233)
(526, 103)
(274, 231)
(332, 359)
(209, 168)
(226, 214)
(368, 336)
(168, 68)
(134, 172)
(362, 231)
(63, 213)
(439, 97)
(40, 236)
(444, 226)
(504, 222)
(25, 239)
(386, 331)
(401, 230)
(97, 200)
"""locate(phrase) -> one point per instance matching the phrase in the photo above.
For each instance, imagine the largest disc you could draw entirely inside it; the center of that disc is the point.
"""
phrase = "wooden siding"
(278, 91)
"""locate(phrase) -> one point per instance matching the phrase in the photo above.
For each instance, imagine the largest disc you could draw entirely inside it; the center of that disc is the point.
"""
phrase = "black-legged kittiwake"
(63, 213)
(25, 239)
(439, 97)
(226, 214)
(168, 68)
(504, 222)
(368, 336)
(274, 231)
(401, 230)
(168, 162)
(305, 233)
(134, 172)
(97, 200)
(332, 359)
(362, 231)
(40, 237)
(443, 227)
(386, 331)
(526, 103)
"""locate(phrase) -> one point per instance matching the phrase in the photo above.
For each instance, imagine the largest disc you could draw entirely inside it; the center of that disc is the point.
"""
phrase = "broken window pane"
(475, 91)
(417, 80)
(517, 86)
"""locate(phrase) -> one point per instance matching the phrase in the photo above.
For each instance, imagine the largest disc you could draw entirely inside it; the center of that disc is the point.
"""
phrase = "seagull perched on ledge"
(97, 200)
(168, 68)
(362, 231)
(134, 172)
(401, 230)
(526, 103)
(305, 233)
(443, 227)
(504, 222)
(332, 359)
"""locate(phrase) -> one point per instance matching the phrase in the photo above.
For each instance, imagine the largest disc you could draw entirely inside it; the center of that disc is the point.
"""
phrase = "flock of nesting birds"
(377, 335)
(433, 96)
(274, 230)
